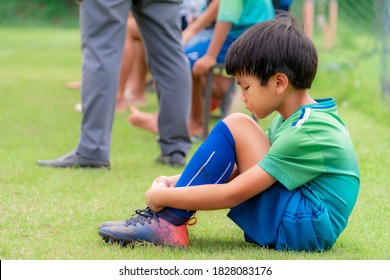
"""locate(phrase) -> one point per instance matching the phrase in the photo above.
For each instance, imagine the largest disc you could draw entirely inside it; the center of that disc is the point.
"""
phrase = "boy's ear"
(281, 82)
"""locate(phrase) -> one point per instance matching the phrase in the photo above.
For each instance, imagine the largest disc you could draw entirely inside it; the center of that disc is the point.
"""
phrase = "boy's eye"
(245, 88)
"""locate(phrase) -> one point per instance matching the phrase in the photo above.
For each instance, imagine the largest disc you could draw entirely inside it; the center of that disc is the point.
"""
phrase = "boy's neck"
(293, 100)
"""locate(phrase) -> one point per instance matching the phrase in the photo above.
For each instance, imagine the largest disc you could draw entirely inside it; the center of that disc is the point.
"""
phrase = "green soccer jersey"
(312, 151)
(244, 13)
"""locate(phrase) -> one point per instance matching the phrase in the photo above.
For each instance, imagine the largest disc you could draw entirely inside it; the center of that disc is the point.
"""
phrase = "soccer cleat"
(113, 223)
(146, 227)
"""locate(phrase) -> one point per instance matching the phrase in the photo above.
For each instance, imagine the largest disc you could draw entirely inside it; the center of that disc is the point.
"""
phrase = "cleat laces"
(144, 215)
(192, 221)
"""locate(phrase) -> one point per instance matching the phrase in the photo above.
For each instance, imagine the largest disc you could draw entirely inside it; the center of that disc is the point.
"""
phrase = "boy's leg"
(213, 162)
(236, 139)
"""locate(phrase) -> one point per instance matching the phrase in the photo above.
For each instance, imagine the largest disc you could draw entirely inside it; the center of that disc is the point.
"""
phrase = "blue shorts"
(197, 46)
(285, 220)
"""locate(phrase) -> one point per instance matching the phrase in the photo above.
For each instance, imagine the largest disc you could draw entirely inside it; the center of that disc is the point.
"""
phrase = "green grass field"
(53, 214)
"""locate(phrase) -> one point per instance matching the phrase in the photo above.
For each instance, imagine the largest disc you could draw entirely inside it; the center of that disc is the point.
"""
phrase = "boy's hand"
(163, 179)
(203, 65)
(158, 184)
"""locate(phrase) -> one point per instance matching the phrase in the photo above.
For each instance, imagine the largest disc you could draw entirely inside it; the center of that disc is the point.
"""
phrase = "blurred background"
(350, 32)
(362, 31)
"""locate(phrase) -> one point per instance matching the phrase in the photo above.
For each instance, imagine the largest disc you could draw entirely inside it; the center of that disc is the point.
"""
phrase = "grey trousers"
(103, 27)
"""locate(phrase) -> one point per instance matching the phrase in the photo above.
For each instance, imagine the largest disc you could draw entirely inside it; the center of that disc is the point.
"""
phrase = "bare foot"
(141, 101)
(133, 99)
(147, 121)
(73, 85)
(195, 128)
(120, 106)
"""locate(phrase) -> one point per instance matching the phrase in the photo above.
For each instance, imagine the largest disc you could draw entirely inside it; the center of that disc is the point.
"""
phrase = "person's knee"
(240, 123)
(237, 118)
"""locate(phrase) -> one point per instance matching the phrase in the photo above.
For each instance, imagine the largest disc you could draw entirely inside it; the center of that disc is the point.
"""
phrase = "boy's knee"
(237, 118)
(240, 123)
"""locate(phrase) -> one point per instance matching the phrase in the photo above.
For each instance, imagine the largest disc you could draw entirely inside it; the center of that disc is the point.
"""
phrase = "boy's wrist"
(211, 58)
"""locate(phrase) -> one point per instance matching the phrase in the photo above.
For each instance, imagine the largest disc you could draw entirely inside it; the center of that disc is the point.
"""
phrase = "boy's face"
(258, 99)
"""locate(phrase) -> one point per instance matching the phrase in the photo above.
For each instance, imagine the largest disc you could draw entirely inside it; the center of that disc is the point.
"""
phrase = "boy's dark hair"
(274, 46)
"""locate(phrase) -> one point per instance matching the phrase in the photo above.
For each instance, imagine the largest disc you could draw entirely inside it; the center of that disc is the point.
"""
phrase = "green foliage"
(39, 13)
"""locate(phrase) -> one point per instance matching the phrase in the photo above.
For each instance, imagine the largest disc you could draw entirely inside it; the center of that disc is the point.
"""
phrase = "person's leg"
(102, 25)
(236, 104)
(136, 80)
(103, 36)
(126, 67)
(219, 88)
(195, 49)
(333, 15)
(308, 18)
(159, 23)
(195, 123)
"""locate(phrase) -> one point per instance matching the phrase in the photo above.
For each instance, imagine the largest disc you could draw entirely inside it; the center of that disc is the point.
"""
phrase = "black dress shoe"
(175, 159)
(74, 160)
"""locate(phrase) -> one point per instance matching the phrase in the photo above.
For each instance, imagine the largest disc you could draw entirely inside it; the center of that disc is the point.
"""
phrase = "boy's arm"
(205, 19)
(213, 196)
(221, 31)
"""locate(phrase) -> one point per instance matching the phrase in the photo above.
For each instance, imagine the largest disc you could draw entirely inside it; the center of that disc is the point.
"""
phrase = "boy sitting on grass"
(291, 188)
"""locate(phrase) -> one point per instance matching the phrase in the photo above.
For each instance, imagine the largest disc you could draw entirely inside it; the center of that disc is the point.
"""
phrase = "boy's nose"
(243, 97)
